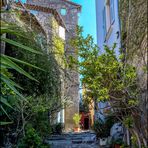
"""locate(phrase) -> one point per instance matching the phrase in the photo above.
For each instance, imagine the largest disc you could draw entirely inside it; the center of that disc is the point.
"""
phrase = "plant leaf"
(4, 101)
(5, 123)
(8, 83)
(5, 112)
(10, 63)
(23, 62)
(20, 45)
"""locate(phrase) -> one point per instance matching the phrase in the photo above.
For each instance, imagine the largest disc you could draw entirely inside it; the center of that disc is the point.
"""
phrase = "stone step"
(81, 141)
(86, 138)
(75, 134)
(73, 140)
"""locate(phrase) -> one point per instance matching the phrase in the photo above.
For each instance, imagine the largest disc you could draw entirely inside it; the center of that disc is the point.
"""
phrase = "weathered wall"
(133, 14)
(72, 81)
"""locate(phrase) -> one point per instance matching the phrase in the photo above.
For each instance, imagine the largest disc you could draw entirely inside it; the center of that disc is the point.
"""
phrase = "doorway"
(86, 123)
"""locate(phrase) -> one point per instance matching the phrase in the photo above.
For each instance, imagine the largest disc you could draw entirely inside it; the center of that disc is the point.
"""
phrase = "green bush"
(31, 139)
(41, 123)
(76, 119)
(57, 128)
(102, 128)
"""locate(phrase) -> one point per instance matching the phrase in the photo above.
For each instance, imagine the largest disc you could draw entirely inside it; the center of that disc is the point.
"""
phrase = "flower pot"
(76, 129)
(117, 146)
(103, 141)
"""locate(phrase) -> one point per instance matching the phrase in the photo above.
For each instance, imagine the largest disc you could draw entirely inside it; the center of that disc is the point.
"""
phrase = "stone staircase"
(73, 140)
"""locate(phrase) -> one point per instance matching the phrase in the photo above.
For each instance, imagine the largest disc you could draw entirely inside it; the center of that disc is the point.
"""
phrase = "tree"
(106, 77)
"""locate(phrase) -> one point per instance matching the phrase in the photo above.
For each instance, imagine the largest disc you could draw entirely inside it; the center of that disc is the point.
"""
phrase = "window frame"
(109, 18)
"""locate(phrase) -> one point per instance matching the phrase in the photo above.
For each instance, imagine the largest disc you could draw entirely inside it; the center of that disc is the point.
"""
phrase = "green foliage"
(102, 128)
(31, 82)
(134, 141)
(118, 141)
(48, 80)
(42, 124)
(31, 139)
(77, 119)
(128, 122)
(9, 87)
(57, 128)
(105, 77)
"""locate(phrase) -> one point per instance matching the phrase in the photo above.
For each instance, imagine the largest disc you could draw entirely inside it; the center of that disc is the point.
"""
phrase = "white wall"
(115, 26)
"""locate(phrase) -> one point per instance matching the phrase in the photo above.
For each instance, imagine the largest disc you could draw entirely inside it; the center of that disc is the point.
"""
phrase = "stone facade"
(70, 18)
(133, 15)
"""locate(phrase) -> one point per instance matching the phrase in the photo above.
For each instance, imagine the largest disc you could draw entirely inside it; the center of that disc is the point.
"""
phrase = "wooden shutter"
(104, 23)
(112, 12)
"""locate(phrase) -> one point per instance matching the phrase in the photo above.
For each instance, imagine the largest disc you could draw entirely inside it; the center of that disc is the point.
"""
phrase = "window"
(104, 23)
(108, 16)
(62, 32)
(63, 11)
(108, 22)
(112, 14)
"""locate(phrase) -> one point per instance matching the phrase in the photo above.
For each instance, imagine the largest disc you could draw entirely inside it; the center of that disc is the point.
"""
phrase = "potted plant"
(102, 130)
(118, 143)
(76, 119)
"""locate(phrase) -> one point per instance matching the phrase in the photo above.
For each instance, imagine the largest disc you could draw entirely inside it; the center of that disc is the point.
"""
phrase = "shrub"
(76, 119)
(41, 123)
(31, 139)
(57, 128)
(102, 128)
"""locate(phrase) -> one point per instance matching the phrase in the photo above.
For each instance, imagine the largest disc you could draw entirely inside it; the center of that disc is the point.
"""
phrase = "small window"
(62, 32)
(63, 11)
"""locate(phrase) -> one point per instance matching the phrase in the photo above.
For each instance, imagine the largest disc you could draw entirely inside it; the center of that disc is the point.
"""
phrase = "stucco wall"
(115, 27)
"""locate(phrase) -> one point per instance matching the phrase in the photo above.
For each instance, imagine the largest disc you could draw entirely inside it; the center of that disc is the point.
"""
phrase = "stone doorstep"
(73, 139)
(88, 135)
(81, 141)
(70, 142)
(71, 136)
(54, 139)
(58, 142)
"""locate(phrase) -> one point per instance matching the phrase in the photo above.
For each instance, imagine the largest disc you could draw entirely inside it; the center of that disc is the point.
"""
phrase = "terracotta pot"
(76, 129)
(117, 146)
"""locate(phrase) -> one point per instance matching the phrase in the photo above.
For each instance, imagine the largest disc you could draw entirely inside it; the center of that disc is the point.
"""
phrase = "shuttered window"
(112, 13)
(104, 23)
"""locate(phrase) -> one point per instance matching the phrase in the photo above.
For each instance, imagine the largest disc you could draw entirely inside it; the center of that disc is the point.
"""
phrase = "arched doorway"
(86, 123)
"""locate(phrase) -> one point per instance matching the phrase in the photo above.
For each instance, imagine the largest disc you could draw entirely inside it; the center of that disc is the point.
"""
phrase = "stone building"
(133, 15)
(68, 13)
(58, 18)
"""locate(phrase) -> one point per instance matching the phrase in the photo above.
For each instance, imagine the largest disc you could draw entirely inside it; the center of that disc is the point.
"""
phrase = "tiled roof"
(46, 10)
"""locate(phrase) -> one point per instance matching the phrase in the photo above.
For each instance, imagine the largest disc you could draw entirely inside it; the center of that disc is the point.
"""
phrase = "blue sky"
(88, 17)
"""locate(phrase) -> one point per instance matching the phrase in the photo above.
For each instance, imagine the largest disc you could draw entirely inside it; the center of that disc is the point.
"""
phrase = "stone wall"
(133, 15)
(72, 78)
